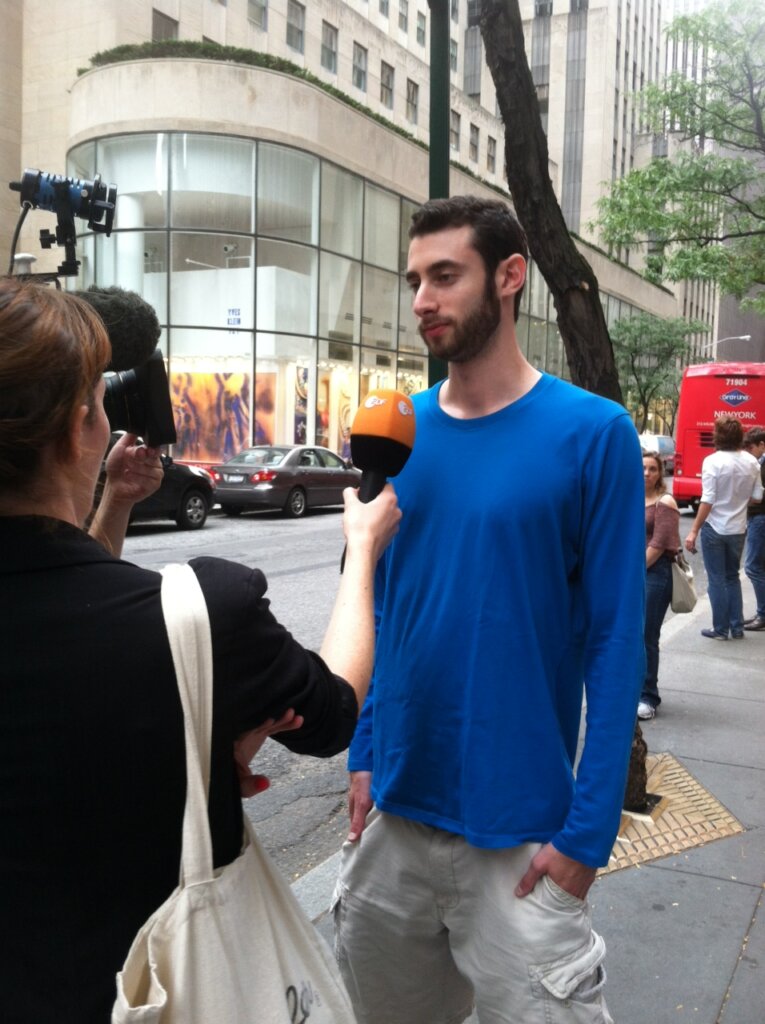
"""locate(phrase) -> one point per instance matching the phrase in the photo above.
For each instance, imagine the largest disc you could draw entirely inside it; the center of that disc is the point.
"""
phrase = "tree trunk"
(569, 276)
(636, 792)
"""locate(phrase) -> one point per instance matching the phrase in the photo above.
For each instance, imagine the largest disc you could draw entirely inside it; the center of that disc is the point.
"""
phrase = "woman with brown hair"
(662, 534)
(91, 728)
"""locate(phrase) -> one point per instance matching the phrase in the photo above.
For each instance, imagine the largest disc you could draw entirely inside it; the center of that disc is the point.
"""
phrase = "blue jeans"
(722, 561)
(658, 594)
(754, 566)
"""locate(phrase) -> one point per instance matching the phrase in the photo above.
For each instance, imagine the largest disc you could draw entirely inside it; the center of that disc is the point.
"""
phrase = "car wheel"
(192, 513)
(296, 503)
(231, 510)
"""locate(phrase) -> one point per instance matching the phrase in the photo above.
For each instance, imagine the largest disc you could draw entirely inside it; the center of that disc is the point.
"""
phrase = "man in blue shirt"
(515, 581)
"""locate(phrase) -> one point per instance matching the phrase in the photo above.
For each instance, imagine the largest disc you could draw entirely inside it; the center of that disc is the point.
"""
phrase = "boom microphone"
(382, 437)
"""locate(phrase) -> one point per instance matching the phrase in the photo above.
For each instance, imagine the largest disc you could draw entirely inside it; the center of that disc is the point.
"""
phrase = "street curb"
(314, 889)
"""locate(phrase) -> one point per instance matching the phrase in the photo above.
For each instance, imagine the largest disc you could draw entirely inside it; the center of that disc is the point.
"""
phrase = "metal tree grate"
(684, 815)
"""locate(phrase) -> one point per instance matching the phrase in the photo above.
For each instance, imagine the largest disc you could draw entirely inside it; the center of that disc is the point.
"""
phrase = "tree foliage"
(649, 352)
(700, 212)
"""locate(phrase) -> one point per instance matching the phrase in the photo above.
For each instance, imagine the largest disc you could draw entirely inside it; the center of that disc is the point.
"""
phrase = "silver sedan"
(293, 478)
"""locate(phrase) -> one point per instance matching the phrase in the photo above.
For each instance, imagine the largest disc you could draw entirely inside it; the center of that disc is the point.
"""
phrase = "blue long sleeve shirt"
(515, 581)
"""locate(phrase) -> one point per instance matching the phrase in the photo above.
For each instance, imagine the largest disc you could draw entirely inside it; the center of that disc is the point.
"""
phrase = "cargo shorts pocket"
(572, 987)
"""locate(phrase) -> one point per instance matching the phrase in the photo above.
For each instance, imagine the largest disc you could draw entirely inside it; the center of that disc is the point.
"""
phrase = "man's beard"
(471, 335)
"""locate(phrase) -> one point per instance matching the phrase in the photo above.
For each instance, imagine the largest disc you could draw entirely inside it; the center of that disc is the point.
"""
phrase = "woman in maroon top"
(662, 538)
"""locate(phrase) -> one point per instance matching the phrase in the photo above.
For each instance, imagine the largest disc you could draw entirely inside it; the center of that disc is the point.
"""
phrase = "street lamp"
(735, 337)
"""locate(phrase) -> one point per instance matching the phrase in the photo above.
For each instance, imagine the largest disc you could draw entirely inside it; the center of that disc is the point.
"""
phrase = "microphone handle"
(372, 482)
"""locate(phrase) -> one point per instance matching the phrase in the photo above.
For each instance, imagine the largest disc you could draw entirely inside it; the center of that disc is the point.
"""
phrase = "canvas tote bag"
(683, 590)
(229, 946)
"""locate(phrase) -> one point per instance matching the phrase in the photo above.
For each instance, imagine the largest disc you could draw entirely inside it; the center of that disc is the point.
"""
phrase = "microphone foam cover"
(382, 434)
(130, 322)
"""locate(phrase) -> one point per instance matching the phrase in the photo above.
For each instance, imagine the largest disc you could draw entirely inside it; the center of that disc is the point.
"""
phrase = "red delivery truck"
(707, 391)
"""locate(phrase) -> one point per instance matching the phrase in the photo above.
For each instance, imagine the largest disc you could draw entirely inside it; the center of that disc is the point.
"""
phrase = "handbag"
(683, 591)
(232, 945)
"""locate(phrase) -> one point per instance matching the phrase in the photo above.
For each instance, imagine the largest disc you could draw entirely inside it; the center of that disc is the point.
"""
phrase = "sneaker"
(713, 634)
(755, 625)
(737, 636)
(646, 711)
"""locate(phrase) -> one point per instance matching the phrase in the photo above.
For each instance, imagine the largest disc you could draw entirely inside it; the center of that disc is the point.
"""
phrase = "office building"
(263, 199)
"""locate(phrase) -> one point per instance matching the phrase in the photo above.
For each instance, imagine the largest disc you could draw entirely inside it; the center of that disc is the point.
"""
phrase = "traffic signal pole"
(440, 107)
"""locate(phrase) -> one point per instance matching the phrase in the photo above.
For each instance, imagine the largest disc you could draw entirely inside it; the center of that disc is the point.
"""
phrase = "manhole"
(680, 814)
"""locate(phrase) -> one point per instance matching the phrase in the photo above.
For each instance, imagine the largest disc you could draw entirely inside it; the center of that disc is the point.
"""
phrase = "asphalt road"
(301, 819)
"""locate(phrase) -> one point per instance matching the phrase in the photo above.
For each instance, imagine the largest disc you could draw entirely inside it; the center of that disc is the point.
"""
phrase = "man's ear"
(511, 275)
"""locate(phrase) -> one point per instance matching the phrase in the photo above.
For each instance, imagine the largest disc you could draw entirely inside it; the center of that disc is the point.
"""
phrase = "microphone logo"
(372, 401)
(405, 409)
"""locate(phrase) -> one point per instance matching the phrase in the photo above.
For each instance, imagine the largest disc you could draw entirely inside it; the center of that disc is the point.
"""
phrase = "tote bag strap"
(188, 630)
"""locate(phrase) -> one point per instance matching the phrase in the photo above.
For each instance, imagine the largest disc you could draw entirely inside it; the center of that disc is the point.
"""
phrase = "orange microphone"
(382, 436)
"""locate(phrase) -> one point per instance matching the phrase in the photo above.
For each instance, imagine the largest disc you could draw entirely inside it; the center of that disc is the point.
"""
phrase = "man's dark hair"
(754, 436)
(496, 231)
(729, 434)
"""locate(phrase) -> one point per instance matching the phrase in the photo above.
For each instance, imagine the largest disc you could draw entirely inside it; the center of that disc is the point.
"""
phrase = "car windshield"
(259, 457)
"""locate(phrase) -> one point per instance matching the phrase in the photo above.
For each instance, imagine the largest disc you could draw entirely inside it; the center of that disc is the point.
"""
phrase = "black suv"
(185, 495)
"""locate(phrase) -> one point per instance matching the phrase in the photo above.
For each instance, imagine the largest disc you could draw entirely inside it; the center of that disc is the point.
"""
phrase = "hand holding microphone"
(382, 437)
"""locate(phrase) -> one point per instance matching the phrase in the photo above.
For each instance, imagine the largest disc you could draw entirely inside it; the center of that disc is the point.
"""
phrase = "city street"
(301, 819)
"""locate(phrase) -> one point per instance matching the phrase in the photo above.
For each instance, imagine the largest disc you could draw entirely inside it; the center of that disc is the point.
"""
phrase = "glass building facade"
(277, 277)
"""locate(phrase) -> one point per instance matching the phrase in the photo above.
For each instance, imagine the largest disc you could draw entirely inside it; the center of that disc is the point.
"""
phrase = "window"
(360, 67)
(257, 11)
(384, 5)
(422, 28)
(455, 5)
(473, 152)
(295, 26)
(162, 27)
(472, 64)
(329, 47)
(342, 202)
(453, 54)
(412, 100)
(474, 13)
(491, 154)
(454, 131)
(403, 15)
(386, 85)
(543, 9)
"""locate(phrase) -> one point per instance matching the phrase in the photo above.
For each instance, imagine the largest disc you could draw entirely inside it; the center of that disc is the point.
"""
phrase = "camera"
(137, 395)
(138, 401)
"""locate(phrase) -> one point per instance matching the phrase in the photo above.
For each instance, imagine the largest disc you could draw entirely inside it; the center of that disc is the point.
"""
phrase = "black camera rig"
(67, 198)
(137, 397)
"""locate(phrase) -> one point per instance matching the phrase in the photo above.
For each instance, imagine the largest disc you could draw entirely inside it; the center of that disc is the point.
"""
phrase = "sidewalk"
(685, 933)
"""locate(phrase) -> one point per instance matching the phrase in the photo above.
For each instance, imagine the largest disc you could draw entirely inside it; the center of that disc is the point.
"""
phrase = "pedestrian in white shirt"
(730, 482)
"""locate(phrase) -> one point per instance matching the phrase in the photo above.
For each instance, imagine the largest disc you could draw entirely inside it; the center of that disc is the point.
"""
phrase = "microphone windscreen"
(382, 433)
(130, 322)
